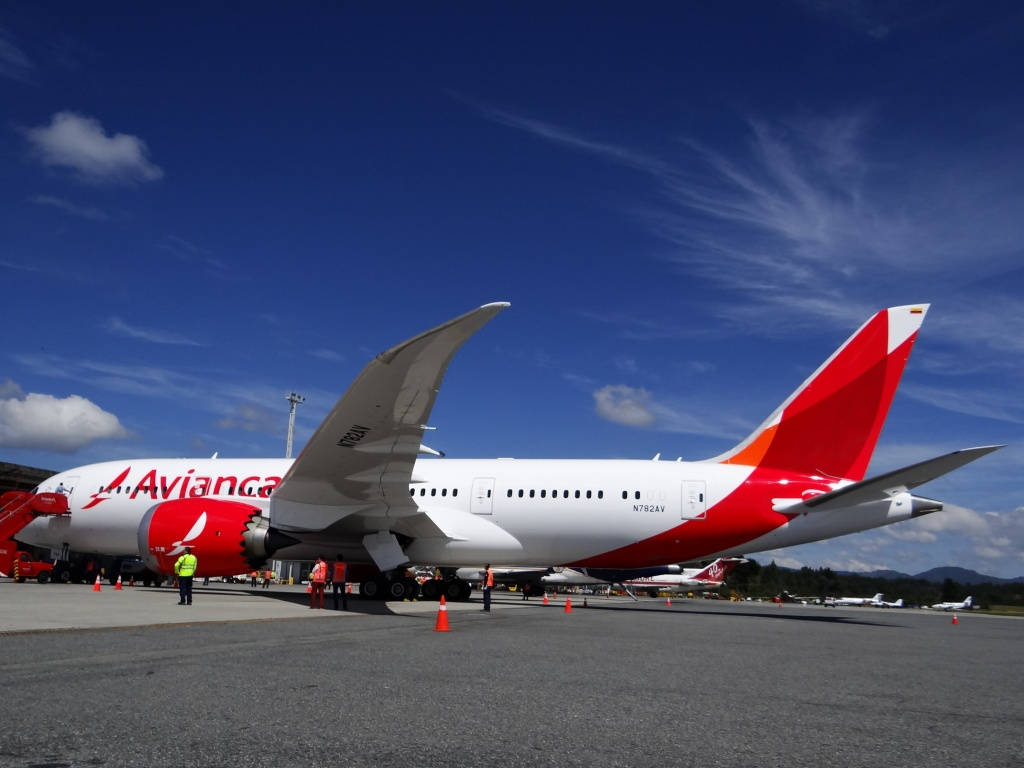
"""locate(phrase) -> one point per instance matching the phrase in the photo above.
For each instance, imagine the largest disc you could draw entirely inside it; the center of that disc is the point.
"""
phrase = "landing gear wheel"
(396, 590)
(431, 589)
(370, 589)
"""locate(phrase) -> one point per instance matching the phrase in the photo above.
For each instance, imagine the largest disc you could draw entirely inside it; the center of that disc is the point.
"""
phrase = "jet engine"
(227, 537)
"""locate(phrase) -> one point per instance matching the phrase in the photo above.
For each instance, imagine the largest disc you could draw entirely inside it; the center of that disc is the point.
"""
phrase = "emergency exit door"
(482, 496)
(694, 499)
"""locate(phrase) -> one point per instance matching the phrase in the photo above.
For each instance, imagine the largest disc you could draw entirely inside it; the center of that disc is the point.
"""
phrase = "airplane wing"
(360, 459)
(883, 486)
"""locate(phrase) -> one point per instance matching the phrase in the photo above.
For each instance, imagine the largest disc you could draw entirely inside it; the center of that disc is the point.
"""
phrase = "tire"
(652, 592)
(369, 589)
(431, 590)
(43, 577)
(396, 590)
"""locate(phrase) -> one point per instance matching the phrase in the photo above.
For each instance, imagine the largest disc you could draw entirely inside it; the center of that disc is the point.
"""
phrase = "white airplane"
(667, 577)
(361, 488)
(961, 606)
(884, 604)
(690, 580)
(839, 601)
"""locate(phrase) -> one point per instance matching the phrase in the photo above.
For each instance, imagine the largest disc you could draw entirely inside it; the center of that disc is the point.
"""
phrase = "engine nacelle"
(227, 537)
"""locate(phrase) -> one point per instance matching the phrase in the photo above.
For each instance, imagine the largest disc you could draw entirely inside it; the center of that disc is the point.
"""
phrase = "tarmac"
(254, 677)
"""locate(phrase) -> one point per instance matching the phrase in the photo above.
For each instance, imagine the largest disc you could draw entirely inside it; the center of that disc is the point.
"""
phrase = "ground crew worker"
(488, 585)
(266, 578)
(253, 577)
(185, 569)
(338, 583)
(318, 580)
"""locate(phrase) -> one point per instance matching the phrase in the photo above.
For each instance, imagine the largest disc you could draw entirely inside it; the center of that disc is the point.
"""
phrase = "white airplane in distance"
(884, 604)
(838, 601)
(961, 606)
(361, 489)
(690, 580)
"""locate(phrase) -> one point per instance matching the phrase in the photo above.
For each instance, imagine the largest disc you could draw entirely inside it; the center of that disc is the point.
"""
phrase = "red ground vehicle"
(18, 509)
(20, 565)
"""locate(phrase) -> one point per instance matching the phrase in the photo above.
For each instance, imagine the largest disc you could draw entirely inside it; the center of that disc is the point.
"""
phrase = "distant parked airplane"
(836, 601)
(962, 606)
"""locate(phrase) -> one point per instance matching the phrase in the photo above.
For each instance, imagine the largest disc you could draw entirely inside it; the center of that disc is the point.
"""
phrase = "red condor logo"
(163, 487)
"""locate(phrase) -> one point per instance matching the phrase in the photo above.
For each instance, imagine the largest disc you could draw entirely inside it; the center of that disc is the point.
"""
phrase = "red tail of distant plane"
(830, 424)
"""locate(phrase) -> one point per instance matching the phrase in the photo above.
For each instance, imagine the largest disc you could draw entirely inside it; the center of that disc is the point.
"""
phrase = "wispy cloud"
(78, 142)
(117, 326)
(328, 354)
(638, 407)
(85, 212)
(14, 64)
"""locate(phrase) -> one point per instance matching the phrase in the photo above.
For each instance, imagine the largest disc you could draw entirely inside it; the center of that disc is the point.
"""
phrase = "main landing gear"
(396, 585)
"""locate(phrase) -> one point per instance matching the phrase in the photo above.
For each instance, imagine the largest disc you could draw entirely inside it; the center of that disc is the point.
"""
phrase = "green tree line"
(752, 579)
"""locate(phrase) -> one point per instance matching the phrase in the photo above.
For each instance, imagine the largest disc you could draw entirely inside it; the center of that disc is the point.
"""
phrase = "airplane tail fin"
(831, 423)
(718, 570)
(878, 598)
(967, 602)
(898, 603)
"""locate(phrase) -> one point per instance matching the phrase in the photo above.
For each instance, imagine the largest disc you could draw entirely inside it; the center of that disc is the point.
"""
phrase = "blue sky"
(690, 206)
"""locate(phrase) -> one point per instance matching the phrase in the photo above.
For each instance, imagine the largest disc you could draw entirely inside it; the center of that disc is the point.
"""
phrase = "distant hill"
(939, 575)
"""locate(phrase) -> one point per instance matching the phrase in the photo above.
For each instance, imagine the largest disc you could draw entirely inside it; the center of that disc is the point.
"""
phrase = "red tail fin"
(718, 570)
(831, 423)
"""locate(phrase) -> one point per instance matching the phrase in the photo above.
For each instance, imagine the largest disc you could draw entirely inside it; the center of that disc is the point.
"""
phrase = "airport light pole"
(294, 400)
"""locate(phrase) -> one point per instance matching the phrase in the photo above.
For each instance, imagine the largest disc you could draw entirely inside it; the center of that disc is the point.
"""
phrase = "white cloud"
(44, 422)
(121, 328)
(624, 405)
(78, 142)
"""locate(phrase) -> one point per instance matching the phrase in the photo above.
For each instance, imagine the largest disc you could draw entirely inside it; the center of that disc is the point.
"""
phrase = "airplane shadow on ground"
(355, 603)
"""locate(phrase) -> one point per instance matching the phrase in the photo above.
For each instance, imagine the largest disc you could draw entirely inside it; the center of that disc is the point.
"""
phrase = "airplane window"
(588, 494)
(510, 493)
(520, 493)
(636, 494)
(554, 494)
(433, 491)
(444, 491)
(600, 494)
(577, 494)
(423, 491)
(625, 494)
(455, 491)
(565, 494)
(412, 491)
(488, 493)
(531, 493)
(544, 493)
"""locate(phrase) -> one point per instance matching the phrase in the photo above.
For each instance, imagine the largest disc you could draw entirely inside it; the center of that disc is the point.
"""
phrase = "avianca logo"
(104, 493)
(163, 487)
(194, 533)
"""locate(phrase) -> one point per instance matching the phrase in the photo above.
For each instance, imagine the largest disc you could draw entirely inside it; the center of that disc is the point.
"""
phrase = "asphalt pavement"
(254, 678)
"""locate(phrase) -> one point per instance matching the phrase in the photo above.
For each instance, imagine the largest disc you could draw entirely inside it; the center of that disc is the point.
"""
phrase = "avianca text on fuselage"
(160, 487)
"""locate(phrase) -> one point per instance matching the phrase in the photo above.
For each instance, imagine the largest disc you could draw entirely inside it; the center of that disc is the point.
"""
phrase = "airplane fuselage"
(596, 513)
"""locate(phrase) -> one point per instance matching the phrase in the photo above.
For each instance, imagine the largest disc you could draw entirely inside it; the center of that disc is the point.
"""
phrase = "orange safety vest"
(319, 573)
(490, 578)
(339, 572)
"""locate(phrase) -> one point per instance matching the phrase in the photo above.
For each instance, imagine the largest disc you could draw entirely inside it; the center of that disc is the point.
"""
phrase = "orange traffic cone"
(118, 585)
(668, 601)
(546, 601)
(442, 617)
(955, 620)
(309, 588)
(132, 582)
(568, 605)
(96, 585)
